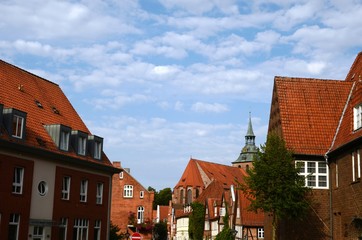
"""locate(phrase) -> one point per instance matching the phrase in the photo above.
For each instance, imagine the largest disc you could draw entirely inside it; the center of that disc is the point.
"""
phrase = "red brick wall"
(15, 203)
(347, 203)
(121, 207)
(73, 208)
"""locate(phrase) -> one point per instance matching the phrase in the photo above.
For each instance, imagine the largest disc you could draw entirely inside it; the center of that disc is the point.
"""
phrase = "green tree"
(226, 233)
(274, 185)
(113, 232)
(160, 231)
(196, 221)
(162, 197)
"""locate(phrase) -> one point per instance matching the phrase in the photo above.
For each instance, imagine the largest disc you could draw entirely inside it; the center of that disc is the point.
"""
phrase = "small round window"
(42, 188)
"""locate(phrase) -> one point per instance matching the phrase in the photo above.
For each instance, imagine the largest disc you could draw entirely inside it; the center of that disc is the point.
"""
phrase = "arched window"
(140, 214)
(189, 196)
(181, 196)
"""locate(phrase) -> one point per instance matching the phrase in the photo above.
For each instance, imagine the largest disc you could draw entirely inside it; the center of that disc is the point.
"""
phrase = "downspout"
(326, 158)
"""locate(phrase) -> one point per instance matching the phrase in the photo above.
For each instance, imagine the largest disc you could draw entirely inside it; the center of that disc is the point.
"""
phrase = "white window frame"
(66, 187)
(83, 190)
(140, 214)
(38, 232)
(63, 227)
(18, 126)
(18, 180)
(15, 221)
(64, 140)
(99, 197)
(260, 233)
(357, 117)
(121, 175)
(97, 230)
(80, 229)
(97, 149)
(142, 194)
(128, 191)
(82, 143)
(313, 174)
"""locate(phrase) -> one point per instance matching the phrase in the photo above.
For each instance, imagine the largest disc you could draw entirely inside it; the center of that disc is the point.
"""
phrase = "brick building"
(55, 177)
(320, 121)
(130, 199)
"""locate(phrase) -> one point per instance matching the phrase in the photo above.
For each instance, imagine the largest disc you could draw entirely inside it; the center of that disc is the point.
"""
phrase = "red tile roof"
(20, 89)
(249, 218)
(200, 173)
(308, 112)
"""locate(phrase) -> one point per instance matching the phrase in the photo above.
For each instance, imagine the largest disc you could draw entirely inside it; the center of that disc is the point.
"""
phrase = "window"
(66, 188)
(64, 140)
(97, 230)
(82, 143)
(337, 179)
(83, 190)
(260, 232)
(356, 166)
(17, 126)
(99, 197)
(80, 230)
(97, 150)
(18, 180)
(357, 117)
(140, 214)
(315, 173)
(128, 191)
(42, 188)
(14, 222)
(121, 175)
(189, 196)
(63, 229)
(181, 196)
(142, 194)
(38, 233)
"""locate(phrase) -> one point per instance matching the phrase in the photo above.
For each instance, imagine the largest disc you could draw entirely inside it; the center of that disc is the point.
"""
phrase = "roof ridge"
(30, 73)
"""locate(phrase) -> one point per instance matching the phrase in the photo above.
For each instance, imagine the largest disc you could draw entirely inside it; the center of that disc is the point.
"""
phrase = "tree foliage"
(226, 232)
(160, 231)
(162, 197)
(274, 185)
(197, 221)
(113, 232)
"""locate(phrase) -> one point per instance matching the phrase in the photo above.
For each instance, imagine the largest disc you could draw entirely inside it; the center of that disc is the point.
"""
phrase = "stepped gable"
(44, 103)
(307, 111)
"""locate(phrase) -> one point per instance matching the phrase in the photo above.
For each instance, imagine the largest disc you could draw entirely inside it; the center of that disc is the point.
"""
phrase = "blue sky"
(163, 81)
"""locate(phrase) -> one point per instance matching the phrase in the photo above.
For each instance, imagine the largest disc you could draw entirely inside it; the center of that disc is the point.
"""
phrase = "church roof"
(200, 173)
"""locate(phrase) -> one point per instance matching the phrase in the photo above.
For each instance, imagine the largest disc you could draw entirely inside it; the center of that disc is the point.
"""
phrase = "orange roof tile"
(20, 89)
(309, 112)
(200, 173)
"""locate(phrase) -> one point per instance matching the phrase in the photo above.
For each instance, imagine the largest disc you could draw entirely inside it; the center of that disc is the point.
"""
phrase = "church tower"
(249, 151)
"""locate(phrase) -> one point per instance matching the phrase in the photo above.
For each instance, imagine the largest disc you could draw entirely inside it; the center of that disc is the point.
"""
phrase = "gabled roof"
(248, 218)
(200, 173)
(24, 91)
(307, 111)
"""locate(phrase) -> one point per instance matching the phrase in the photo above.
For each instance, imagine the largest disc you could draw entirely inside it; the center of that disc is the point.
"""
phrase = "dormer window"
(357, 117)
(60, 135)
(15, 122)
(64, 140)
(95, 146)
(79, 142)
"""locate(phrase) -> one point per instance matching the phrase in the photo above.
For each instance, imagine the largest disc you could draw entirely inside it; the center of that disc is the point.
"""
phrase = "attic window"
(15, 122)
(95, 148)
(38, 104)
(55, 110)
(357, 117)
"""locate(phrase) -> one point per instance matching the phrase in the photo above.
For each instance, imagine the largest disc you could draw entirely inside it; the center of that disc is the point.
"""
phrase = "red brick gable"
(355, 72)
(20, 90)
(307, 112)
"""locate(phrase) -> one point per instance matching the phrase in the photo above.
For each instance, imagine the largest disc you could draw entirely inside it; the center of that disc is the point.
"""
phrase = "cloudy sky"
(166, 80)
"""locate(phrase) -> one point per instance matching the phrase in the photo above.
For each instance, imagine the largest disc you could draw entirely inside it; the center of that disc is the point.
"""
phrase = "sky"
(163, 81)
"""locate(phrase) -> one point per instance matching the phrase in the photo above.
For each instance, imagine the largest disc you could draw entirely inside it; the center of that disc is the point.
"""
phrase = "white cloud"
(207, 107)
